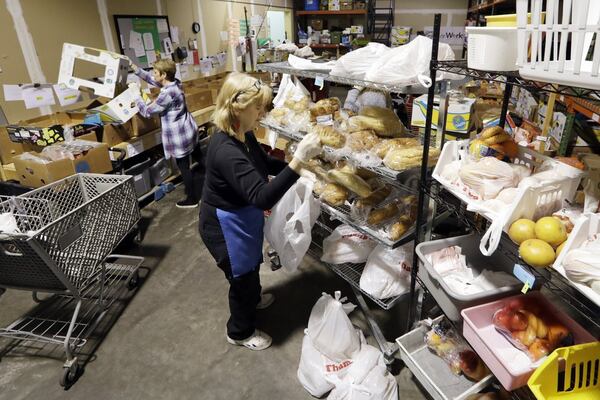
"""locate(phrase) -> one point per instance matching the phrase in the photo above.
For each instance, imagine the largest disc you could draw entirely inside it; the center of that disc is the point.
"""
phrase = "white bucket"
(492, 48)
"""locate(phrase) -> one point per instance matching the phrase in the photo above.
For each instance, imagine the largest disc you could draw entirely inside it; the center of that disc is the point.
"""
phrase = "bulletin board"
(144, 38)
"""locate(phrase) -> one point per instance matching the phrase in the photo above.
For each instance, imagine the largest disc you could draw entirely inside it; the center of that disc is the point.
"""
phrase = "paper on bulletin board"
(183, 71)
(67, 96)
(148, 41)
(174, 34)
(136, 43)
(13, 93)
(205, 65)
(256, 20)
(38, 97)
(167, 46)
(161, 25)
(224, 36)
(151, 57)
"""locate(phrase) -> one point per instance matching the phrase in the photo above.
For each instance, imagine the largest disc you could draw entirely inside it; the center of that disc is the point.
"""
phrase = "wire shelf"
(285, 68)
(350, 272)
(395, 177)
(459, 67)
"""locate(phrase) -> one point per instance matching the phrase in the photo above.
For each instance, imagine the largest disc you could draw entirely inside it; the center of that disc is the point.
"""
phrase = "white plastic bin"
(492, 48)
(453, 303)
(542, 47)
(432, 371)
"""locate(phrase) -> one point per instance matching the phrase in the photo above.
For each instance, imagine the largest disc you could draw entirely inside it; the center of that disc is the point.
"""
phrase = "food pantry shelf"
(285, 68)
(548, 277)
(460, 67)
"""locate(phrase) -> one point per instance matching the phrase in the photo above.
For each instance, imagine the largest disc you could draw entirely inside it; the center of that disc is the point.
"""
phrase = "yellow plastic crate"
(507, 20)
(581, 366)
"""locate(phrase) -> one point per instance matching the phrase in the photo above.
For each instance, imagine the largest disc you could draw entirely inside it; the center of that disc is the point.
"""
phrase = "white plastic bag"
(346, 245)
(366, 379)
(330, 329)
(314, 368)
(355, 64)
(288, 229)
(409, 64)
(387, 273)
(8, 224)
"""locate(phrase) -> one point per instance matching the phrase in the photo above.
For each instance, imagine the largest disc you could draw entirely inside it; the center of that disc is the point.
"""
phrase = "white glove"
(308, 148)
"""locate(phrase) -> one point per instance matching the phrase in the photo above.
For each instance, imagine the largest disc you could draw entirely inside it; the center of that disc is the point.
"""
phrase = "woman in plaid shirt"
(179, 130)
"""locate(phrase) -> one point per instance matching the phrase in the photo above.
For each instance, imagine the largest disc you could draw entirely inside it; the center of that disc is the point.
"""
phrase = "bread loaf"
(334, 194)
(330, 136)
(351, 182)
(383, 121)
(380, 215)
(363, 140)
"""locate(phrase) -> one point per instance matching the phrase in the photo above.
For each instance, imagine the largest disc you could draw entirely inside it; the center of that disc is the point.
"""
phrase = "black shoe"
(187, 203)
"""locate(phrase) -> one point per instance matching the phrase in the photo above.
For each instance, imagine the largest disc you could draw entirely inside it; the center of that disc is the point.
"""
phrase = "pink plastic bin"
(511, 366)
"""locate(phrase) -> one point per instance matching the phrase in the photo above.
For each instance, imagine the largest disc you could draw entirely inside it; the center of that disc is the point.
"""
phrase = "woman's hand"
(308, 148)
(133, 66)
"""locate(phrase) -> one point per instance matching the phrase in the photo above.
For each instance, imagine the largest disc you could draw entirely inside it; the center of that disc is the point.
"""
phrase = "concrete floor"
(168, 341)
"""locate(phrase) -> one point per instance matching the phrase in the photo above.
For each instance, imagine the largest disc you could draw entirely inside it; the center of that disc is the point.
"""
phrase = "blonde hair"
(239, 91)
(167, 67)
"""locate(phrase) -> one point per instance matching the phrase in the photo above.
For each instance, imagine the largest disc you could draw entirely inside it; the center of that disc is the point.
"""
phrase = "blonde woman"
(236, 192)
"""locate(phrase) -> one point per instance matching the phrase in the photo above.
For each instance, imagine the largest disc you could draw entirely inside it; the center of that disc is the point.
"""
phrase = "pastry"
(330, 136)
(383, 214)
(400, 227)
(279, 115)
(383, 121)
(363, 140)
(351, 182)
(403, 158)
(334, 194)
(297, 105)
(319, 168)
(491, 131)
(385, 145)
(325, 107)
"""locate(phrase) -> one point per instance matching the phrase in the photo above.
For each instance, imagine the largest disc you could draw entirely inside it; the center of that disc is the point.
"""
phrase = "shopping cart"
(58, 239)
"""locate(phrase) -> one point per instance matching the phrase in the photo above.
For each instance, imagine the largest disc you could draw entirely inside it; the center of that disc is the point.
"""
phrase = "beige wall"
(419, 14)
(51, 23)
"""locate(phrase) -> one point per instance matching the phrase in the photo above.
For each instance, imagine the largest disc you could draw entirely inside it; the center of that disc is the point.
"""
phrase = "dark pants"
(244, 290)
(193, 180)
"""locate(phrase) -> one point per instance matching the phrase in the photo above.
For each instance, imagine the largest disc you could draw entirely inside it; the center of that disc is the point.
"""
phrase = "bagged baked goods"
(400, 227)
(330, 136)
(362, 140)
(383, 214)
(375, 198)
(297, 105)
(488, 176)
(387, 272)
(383, 121)
(334, 194)
(382, 148)
(319, 168)
(399, 158)
(279, 116)
(351, 182)
(323, 107)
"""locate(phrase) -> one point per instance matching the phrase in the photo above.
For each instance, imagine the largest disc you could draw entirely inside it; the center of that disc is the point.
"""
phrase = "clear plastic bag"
(346, 245)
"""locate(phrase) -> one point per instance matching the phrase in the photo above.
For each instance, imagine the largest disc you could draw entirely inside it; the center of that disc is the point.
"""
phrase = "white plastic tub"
(492, 48)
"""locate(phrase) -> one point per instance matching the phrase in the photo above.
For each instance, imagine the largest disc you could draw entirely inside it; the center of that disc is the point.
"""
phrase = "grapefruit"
(551, 230)
(521, 230)
(560, 248)
(537, 253)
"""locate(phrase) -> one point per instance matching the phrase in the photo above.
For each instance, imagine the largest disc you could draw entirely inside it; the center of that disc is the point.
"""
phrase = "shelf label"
(596, 117)
(319, 81)
(542, 138)
(521, 273)
(325, 119)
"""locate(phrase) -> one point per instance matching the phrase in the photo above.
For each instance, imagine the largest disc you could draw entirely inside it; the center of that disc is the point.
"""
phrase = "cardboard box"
(113, 134)
(36, 174)
(136, 126)
(140, 144)
(8, 173)
(346, 5)
(316, 24)
(8, 148)
(119, 109)
(458, 118)
(334, 5)
(140, 125)
(113, 81)
(198, 99)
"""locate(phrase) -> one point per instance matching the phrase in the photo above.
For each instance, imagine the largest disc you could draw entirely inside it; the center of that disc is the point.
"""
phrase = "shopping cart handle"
(122, 153)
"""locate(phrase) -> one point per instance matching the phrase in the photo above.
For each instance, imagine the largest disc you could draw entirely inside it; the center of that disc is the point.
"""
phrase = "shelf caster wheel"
(69, 375)
(137, 239)
(133, 281)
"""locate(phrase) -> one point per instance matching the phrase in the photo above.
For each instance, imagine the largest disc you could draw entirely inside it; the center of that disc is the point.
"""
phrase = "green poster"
(150, 37)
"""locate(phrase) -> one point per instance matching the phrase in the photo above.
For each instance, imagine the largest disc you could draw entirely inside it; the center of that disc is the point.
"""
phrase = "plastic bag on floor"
(330, 329)
(387, 273)
(288, 229)
(366, 379)
(346, 245)
(316, 370)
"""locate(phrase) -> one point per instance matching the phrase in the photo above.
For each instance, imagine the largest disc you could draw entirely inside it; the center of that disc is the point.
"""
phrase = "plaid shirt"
(179, 130)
